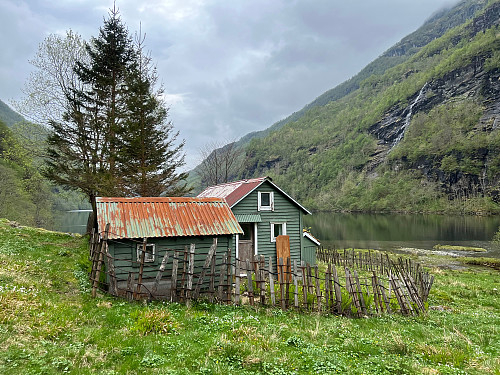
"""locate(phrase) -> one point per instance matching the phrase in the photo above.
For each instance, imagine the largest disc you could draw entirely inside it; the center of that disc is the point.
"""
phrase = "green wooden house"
(166, 225)
(264, 211)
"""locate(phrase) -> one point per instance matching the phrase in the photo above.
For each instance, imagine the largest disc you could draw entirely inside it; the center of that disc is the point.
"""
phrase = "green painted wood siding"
(284, 212)
(124, 253)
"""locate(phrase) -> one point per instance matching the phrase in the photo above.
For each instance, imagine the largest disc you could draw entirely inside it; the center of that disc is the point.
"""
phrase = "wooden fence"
(345, 283)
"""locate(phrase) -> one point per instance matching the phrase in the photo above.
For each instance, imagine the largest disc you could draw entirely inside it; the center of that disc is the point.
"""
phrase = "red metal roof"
(234, 192)
(165, 217)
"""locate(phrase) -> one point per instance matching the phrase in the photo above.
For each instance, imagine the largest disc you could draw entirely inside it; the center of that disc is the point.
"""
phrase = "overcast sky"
(229, 67)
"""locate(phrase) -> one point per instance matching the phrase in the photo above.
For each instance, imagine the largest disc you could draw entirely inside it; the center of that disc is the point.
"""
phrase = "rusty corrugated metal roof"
(165, 217)
(234, 192)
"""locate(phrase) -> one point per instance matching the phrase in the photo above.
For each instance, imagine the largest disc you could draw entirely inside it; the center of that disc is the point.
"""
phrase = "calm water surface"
(375, 231)
(393, 232)
(74, 221)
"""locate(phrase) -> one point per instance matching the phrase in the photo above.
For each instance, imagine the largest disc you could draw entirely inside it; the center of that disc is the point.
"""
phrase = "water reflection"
(74, 221)
(390, 231)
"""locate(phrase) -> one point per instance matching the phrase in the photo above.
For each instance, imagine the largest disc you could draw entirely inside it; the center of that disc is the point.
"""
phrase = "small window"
(266, 201)
(247, 231)
(149, 257)
(277, 229)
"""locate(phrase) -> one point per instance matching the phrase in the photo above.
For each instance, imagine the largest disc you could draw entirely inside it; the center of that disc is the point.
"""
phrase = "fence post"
(318, 290)
(237, 283)
(281, 281)
(271, 281)
(190, 274)
(295, 284)
(250, 282)
(141, 269)
(304, 284)
(173, 282)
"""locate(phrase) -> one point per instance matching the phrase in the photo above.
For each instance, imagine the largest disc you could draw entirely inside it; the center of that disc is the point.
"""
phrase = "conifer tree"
(149, 157)
(115, 140)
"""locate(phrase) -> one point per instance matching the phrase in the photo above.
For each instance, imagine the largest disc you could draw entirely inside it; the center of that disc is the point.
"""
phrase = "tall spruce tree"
(105, 121)
(149, 157)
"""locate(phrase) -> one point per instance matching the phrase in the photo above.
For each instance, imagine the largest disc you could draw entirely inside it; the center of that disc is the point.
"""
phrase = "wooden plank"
(262, 280)
(190, 274)
(271, 281)
(182, 294)
(281, 282)
(237, 283)
(100, 259)
(113, 289)
(130, 286)
(211, 285)
(351, 289)
(318, 289)
(173, 282)
(304, 284)
(399, 297)
(338, 292)
(376, 295)
(283, 248)
(295, 284)
(327, 289)
(250, 282)
(204, 270)
(159, 274)
(384, 296)
(360, 293)
(288, 275)
(229, 275)
(222, 278)
(137, 293)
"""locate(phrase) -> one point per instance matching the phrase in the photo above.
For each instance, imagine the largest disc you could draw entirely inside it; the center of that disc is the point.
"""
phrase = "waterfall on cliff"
(408, 117)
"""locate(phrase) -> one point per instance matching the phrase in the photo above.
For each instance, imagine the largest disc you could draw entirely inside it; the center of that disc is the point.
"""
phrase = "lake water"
(74, 221)
(393, 232)
(375, 231)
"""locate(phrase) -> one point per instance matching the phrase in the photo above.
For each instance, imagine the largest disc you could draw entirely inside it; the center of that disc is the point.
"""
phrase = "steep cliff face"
(477, 82)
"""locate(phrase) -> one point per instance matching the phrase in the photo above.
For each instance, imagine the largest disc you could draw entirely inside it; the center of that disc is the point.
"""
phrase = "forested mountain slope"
(421, 134)
(8, 116)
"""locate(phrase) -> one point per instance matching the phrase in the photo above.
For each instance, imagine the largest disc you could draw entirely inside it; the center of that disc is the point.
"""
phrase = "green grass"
(49, 324)
(460, 248)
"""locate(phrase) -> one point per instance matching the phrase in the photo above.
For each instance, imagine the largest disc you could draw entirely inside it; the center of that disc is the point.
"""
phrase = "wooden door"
(283, 252)
(245, 245)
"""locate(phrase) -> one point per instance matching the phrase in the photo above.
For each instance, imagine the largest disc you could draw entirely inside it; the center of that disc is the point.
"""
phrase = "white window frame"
(283, 227)
(147, 258)
(271, 201)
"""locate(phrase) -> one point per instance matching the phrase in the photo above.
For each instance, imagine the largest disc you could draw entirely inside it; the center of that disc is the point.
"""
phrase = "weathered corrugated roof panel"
(166, 217)
(248, 218)
(232, 192)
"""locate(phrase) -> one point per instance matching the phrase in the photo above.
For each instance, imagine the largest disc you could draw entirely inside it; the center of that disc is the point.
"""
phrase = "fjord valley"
(415, 131)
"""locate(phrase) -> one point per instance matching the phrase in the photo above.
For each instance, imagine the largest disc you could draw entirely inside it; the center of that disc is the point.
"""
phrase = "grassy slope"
(50, 325)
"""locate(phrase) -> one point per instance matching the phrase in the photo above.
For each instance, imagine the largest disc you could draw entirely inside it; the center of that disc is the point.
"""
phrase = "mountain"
(9, 116)
(415, 130)
(418, 135)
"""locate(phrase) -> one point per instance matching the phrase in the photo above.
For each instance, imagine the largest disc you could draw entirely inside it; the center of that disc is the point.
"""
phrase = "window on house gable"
(266, 201)
(277, 229)
(149, 257)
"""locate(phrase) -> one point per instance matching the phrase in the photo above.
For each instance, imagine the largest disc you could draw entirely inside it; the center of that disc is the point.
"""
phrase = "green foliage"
(156, 321)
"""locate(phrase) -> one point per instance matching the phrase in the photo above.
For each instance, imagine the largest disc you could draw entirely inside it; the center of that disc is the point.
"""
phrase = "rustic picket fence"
(347, 283)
